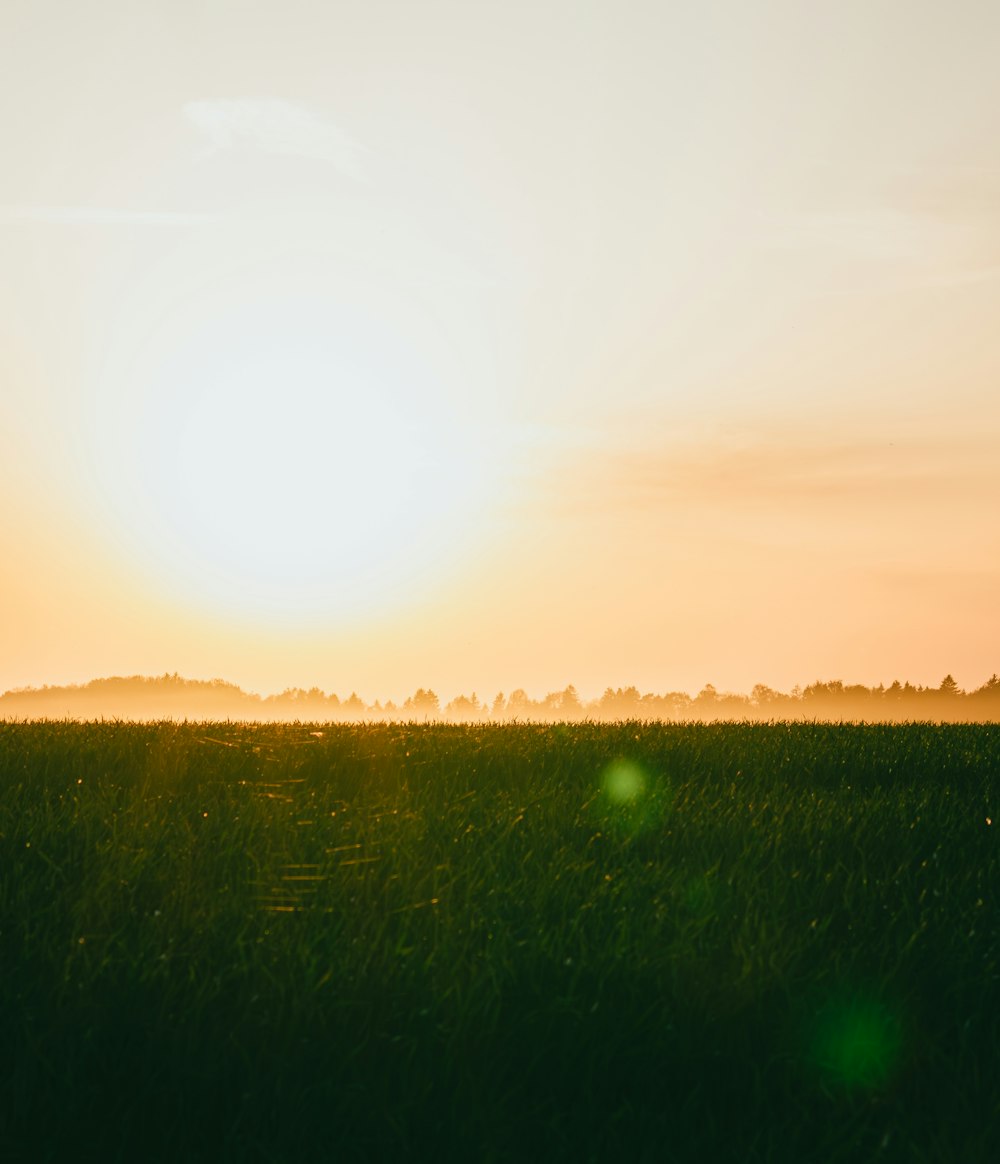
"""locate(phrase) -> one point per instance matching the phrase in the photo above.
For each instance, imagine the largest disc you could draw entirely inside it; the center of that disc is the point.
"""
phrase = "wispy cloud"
(276, 127)
(804, 477)
(98, 216)
(941, 222)
(876, 232)
(963, 278)
(809, 473)
(966, 193)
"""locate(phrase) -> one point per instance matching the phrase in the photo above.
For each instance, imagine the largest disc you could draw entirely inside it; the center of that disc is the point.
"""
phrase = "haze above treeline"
(174, 697)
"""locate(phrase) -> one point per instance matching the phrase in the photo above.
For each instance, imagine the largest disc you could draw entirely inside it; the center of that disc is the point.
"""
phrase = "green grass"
(637, 942)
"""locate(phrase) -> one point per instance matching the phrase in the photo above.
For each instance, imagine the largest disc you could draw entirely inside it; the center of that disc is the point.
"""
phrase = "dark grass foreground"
(608, 943)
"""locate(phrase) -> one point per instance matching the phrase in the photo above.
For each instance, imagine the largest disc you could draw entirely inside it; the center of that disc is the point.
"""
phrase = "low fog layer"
(173, 697)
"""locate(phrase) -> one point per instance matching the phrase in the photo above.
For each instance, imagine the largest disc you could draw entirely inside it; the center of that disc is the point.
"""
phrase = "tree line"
(173, 697)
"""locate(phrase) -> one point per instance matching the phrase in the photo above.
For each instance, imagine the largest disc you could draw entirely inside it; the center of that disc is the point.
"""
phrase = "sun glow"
(295, 461)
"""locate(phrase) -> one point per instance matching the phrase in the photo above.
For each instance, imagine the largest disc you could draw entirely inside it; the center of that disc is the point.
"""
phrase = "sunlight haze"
(484, 346)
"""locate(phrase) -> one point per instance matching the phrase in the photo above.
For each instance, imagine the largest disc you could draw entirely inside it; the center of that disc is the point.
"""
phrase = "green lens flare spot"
(624, 783)
(857, 1044)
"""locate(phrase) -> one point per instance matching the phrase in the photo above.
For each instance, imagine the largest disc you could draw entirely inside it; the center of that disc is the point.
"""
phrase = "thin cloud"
(953, 193)
(98, 216)
(941, 220)
(275, 127)
(808, 475)
(802, 478)
(973, 275)
(876, 232)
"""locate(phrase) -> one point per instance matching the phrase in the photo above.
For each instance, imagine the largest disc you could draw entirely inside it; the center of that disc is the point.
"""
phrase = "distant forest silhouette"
(173, 697)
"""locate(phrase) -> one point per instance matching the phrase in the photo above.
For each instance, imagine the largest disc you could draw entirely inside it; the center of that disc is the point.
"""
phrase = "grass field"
(635, 942)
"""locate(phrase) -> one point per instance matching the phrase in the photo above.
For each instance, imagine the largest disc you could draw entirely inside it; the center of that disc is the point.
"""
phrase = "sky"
(481, 346)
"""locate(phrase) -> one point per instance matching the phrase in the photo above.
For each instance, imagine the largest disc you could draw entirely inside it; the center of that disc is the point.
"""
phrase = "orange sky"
(485, 346)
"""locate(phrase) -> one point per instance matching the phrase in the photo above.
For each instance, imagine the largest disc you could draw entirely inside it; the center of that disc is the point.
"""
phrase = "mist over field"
(172, 697)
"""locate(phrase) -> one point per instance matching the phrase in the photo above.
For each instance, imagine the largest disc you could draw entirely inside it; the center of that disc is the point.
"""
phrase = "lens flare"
(633, 802)
(857, 1043)
(624, 783)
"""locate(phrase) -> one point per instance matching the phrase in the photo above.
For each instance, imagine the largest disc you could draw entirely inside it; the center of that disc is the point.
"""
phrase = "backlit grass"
(615, 942)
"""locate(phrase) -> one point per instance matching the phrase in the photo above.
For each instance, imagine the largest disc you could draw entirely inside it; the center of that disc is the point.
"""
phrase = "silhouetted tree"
(423, 704)
(462, 707)
(707, 697)
(764, 696)
(519, 705)
(620, 703)
(353, 706)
